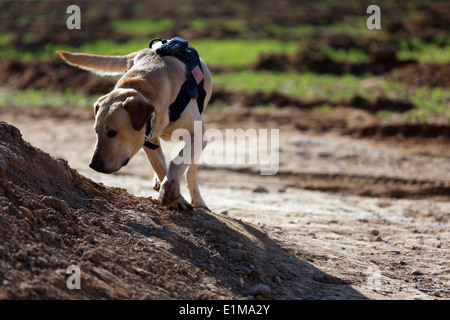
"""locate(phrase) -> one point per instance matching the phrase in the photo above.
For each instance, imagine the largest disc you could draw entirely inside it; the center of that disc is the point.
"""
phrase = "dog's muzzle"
(99, 166)
(96, 165)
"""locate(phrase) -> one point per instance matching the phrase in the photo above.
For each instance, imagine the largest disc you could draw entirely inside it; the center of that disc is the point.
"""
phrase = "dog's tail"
(104, 65)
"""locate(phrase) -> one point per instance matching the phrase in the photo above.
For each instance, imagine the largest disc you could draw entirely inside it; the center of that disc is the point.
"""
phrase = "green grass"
(266, 107)
(105, 47)
(437, 51)
(143, 27)
(385, 114)
(242, 52)
(267, 29)
(199, 24)
(295, 84)
(238, 25)
(229, 52)
(323, 109)
(296, 31)
(40, 98)
(357, 27)
(5, 38)
(352, 55)
(428, 102)
(432, 54)
(238, 52)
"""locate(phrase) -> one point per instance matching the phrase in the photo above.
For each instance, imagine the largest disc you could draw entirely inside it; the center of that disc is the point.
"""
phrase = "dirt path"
(357, 210)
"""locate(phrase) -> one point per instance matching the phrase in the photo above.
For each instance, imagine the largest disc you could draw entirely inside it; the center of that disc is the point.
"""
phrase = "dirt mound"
(54, 74)
(369, 186)
(280, 100)
(128, 247)
(427, 75)
(408, 130)
(379, 62)
(427, 26)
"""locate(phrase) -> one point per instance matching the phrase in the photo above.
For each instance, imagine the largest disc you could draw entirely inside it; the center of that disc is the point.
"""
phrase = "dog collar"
(149, 136)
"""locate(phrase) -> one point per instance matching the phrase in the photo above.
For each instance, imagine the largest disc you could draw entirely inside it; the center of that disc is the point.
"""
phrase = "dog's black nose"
(96, 165)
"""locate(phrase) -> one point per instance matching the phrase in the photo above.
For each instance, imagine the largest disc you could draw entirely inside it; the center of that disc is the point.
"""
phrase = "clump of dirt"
(128, 247)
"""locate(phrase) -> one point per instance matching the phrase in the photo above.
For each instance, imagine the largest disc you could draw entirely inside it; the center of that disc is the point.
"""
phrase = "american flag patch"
(198, 74)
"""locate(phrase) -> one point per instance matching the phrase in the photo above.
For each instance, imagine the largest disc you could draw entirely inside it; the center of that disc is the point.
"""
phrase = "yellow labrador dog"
(149, 85)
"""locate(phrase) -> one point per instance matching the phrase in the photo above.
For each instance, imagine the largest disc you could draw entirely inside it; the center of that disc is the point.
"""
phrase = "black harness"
(192, 88)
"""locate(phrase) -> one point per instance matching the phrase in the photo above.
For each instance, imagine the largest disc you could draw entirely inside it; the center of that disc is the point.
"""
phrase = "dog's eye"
(111, 133)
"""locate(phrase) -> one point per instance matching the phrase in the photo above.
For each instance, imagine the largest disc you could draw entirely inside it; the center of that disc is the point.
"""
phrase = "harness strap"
(192, 88)
(181, 102)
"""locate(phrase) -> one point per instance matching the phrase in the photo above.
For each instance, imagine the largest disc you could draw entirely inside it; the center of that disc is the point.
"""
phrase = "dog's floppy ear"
(96, 107)
(97, 103)
(139, 110)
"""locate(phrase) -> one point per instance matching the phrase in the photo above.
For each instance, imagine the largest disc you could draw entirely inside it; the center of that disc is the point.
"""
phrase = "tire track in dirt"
(367, 186)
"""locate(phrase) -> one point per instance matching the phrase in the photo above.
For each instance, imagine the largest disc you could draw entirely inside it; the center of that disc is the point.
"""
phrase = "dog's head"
(120, 122)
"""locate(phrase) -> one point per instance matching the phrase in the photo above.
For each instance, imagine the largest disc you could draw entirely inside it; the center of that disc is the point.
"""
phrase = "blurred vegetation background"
(311, 54)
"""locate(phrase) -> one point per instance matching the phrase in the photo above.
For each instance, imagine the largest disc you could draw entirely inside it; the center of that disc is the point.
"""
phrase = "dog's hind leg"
(192, 183)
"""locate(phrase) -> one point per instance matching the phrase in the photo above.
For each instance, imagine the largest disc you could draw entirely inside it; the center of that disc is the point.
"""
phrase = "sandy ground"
(383, 247)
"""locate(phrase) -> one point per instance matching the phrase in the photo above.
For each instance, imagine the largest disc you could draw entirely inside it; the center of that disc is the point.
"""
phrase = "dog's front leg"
(169, 194)
(158, 162)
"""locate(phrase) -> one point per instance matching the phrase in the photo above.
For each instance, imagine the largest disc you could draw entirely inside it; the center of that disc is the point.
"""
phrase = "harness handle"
(150, 45)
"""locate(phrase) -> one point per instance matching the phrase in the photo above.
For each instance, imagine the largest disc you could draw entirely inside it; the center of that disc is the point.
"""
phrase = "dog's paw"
(170, 196)
(181, 205)
(200, 204)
